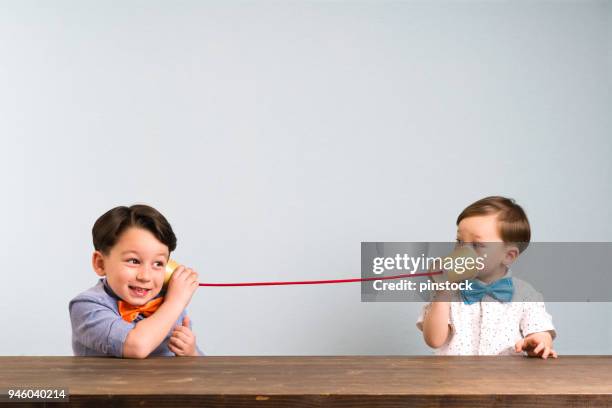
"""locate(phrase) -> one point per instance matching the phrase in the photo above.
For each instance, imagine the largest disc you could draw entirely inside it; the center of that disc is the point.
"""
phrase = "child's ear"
(512, 252)
(97, 261)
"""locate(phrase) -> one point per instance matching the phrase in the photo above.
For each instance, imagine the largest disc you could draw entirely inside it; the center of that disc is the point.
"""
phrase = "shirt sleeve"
(98, 327)
(424, 311)
(535, 318)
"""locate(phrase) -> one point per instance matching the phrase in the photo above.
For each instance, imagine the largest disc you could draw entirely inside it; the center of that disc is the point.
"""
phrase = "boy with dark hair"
(126, 314)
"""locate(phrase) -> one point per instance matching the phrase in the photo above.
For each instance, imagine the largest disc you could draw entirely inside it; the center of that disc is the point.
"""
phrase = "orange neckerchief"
(130, 312)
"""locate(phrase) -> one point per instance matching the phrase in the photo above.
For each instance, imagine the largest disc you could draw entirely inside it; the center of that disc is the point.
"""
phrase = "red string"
(318, 282)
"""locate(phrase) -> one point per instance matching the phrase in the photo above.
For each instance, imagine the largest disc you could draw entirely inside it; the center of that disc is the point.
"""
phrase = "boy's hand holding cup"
(182, 284)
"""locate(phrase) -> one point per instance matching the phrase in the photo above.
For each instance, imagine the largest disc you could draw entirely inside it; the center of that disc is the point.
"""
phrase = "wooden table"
(318, 381)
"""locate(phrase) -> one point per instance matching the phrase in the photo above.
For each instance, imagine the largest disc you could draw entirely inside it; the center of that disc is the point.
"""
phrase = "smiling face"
(482, 232)
(134, 266)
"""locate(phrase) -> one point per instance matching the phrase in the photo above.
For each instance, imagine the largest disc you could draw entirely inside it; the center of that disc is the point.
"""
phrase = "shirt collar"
(108, 289)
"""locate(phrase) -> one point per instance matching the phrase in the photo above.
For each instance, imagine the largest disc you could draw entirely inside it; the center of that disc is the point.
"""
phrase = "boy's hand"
(441, 295)
(537, 345)
(182, 285)
(183, 342)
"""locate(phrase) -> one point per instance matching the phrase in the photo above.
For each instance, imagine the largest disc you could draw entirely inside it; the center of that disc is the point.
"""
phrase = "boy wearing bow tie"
(126, 314)
(501, 315)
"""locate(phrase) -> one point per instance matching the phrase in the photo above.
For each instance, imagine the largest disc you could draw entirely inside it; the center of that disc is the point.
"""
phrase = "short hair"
(512, 221)
(108, 228)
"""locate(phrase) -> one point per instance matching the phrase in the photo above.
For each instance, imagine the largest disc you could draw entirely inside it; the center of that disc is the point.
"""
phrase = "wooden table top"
(318, 381)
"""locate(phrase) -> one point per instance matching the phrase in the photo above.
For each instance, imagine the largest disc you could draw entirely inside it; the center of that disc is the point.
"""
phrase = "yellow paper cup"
(170, 268)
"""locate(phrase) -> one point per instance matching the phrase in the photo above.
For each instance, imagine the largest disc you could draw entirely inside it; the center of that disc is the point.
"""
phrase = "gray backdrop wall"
(276, 136)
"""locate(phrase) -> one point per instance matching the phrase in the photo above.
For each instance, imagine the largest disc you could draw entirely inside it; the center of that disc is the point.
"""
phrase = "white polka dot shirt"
(490, 327)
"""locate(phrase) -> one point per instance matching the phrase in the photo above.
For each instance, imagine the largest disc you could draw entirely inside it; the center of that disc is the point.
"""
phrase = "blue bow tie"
(501, 290)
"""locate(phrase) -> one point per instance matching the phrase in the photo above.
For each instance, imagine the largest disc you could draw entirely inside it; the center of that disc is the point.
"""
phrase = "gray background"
(276, 136)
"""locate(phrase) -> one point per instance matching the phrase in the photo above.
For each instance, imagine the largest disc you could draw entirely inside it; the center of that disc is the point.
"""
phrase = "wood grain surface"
(339, 381)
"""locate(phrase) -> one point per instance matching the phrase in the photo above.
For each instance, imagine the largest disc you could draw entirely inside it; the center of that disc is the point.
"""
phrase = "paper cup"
(170, 268)
(457, 274)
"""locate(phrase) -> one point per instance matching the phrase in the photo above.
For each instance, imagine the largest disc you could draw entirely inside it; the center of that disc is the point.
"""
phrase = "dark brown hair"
(512, 221)
(108, 228)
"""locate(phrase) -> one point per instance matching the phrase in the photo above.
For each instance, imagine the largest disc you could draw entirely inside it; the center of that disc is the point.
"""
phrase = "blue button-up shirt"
(98, 328)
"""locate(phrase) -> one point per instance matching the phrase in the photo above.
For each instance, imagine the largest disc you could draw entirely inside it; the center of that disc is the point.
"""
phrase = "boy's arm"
(435, 323)
(150, 332)
(536, 326)
(97, 327)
